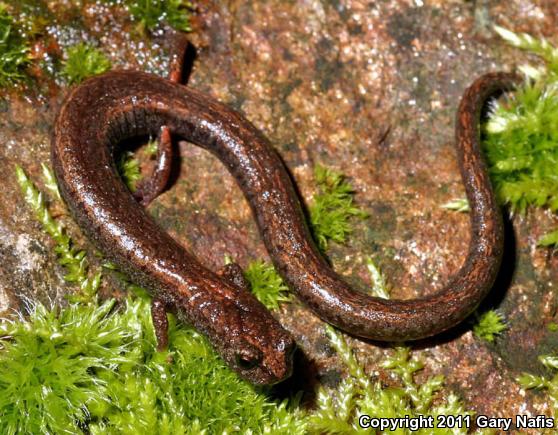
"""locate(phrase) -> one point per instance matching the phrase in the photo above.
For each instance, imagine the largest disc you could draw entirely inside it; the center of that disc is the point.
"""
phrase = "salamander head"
(243, 332)
(261, 351)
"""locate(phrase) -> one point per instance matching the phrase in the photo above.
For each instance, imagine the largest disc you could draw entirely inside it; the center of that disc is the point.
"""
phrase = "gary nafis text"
(455, 421)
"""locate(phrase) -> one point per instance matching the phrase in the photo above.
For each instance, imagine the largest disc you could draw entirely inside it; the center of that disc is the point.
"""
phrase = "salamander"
(104, 110)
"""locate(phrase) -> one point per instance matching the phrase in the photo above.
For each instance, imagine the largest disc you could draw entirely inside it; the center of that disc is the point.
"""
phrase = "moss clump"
(339, 411)
(129, 169)
(48, 364)
(83, 61)
(86, 368)
(71, 258)
(151, 13)
(152, 147)
(14, 52)
(266, 284)
(550, 239)
(380, 288)
(96, 369)
(521, 141)
(489, 324)
(332, 208)
(550, 385)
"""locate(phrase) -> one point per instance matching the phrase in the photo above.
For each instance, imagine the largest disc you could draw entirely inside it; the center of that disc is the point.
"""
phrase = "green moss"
(48, 365)
(152, 147)
(489, 324)
(83, 61)
(266, 284)
(88, 367)
(332, 209)
(338, 410)
(380, 287)
(460, 205)
(32, 17)
(521, 141)
(550, 239)
(14, 52)
(95, 369)
(184, 390)
(129, 169)
(150, 13)
(548, 384)
(71, 258)
(537, 46)
(49, 181)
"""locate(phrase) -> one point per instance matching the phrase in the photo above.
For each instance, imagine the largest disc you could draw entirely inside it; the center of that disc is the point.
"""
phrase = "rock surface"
(369, 88)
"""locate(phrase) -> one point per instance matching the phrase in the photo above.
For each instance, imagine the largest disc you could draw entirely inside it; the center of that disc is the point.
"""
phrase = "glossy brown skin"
(107, 109)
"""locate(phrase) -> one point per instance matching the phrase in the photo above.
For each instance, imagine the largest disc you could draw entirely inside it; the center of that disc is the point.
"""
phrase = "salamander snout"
(279, 363)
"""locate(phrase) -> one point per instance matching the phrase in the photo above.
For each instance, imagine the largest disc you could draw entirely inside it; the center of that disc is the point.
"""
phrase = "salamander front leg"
(160, 323)
(156, 183)
(151, 188)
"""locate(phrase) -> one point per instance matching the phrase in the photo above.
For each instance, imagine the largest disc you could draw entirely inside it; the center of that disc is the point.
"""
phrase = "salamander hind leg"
(160, 323)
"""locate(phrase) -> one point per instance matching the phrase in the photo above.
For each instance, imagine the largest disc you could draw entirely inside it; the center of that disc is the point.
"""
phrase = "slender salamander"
(107, 109)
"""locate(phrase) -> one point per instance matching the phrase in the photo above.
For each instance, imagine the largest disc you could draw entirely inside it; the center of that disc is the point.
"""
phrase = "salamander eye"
(247, 360)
